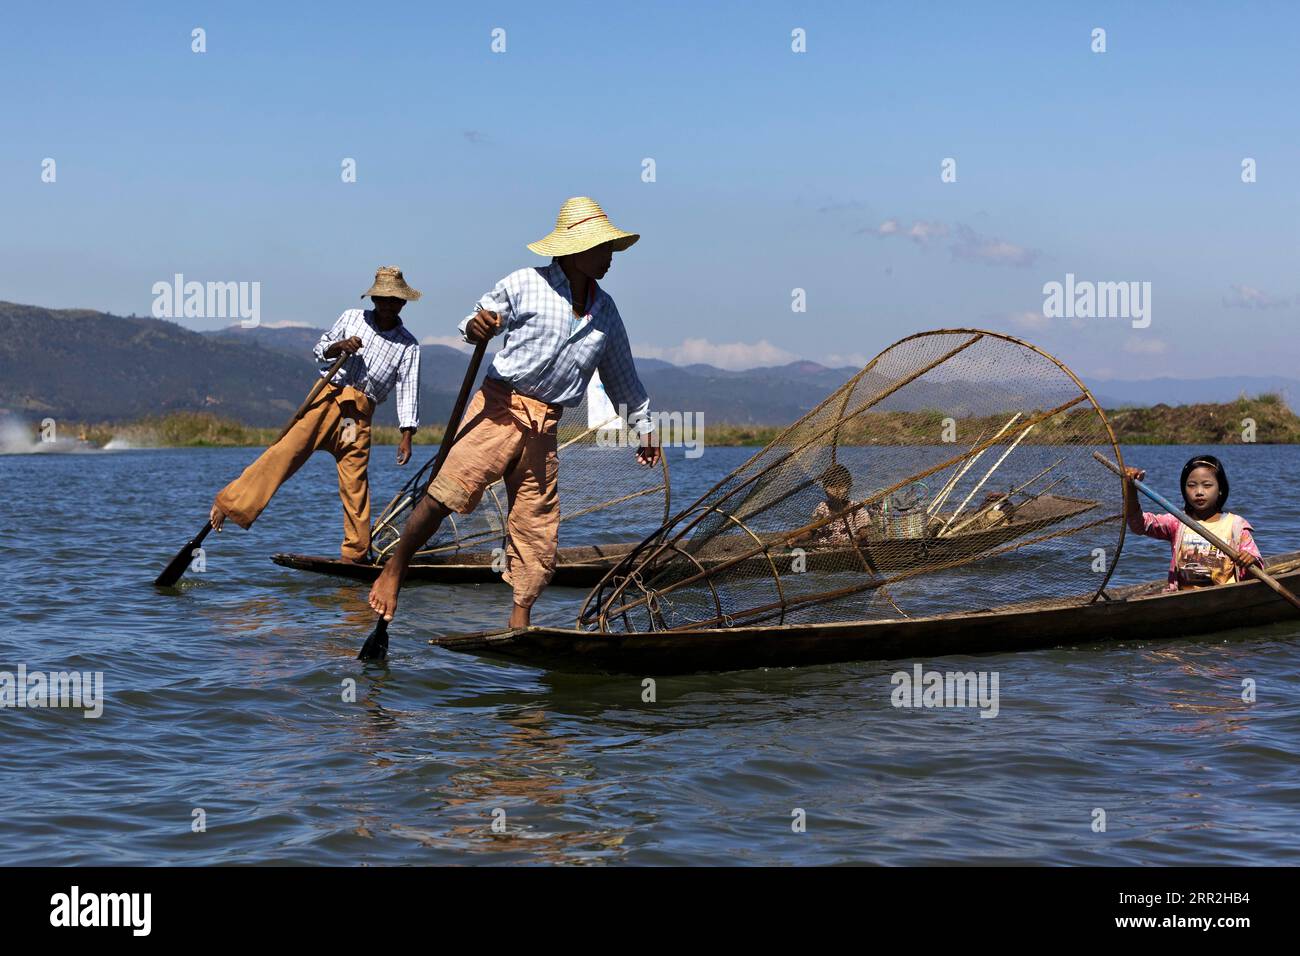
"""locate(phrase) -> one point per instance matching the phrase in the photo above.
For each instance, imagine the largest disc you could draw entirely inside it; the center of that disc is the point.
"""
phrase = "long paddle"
(1203, 531)
(376, 645)
(178, 565)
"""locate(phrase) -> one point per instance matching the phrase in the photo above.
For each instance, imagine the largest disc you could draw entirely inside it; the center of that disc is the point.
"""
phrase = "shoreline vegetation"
(1206, 424)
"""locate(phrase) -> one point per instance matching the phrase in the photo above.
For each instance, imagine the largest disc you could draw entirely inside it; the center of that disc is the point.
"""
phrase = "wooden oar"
(178, 565)
(939, 500)
(1203, 531)
(376, 645)
(980, 484)
(1014, 491)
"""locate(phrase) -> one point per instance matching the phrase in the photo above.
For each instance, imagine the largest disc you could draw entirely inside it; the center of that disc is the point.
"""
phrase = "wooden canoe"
(890, 550)
(1137, 612)
(586, 566)
(582, 567)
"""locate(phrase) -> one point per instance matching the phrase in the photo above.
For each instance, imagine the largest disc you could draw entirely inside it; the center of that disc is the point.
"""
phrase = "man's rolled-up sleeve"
(498, 301)
(622, 385)
(337, 333)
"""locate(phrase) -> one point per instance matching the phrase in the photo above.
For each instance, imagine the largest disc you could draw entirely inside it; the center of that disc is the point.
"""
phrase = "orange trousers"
(510, 436)
(338, 421)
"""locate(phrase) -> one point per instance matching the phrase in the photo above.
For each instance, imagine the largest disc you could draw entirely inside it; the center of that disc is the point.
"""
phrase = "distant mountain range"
(82, 365)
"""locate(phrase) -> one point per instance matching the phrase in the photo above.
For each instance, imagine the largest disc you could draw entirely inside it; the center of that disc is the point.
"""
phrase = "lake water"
(224, 703)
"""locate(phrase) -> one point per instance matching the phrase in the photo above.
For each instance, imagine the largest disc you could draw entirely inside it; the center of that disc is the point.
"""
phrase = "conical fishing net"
(599, 476)
(953, 473)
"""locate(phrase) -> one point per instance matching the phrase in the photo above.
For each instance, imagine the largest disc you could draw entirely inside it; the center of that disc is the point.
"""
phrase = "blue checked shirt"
(384, 359)
(550, 354)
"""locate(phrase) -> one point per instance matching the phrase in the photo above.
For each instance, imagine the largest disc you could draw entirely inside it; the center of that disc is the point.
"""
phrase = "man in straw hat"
(558, 328)
(381, 354)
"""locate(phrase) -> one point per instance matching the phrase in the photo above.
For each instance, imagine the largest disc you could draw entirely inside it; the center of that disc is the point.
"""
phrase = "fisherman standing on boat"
(382, 355)
(559, 327)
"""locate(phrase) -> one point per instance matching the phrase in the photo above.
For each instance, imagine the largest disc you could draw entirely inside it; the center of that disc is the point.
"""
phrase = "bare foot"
(383, 593)
(217, 517)
(520, 616)
(346, 560)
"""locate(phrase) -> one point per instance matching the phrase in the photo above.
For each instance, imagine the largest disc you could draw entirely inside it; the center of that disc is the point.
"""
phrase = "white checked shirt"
(550, 354)
(384, 359)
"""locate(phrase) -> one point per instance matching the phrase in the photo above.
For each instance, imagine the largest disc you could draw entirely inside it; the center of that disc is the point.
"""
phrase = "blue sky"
(775, 170)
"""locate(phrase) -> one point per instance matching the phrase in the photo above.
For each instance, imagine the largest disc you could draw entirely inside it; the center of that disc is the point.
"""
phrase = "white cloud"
(1146, 346)
(1029, 319)
(733, 356)
(1248, 297)
(451, 341)
(923, 233)
(840, 360)
(967, 244)
(286, 324)
(973, 247)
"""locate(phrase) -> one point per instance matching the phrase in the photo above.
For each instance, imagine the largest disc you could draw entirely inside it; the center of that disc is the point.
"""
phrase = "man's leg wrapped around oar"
(324, 424)
(508, 436)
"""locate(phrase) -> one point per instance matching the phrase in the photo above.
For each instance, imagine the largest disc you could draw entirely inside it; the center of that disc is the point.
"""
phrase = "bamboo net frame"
(761, 545)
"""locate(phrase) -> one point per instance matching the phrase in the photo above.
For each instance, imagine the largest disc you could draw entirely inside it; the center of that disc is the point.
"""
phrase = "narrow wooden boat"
(581, 567)
(1137, 612)
(890, 545)
(887, 548)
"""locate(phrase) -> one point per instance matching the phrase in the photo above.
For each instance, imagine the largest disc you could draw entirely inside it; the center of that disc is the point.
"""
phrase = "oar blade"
(376, 646)
(181, 562)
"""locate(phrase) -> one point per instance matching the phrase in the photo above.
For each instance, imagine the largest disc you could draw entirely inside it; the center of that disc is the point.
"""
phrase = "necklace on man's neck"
(581, 310)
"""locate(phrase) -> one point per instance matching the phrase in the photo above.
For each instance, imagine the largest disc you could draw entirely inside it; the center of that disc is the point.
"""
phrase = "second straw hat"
(389, 281)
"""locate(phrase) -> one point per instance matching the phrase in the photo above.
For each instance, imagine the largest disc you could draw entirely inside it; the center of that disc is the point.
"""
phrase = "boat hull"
(586, 566)
(575, 568)
(1140, 612)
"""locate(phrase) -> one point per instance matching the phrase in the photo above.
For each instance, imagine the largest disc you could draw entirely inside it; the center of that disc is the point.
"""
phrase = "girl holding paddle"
(1196, 562)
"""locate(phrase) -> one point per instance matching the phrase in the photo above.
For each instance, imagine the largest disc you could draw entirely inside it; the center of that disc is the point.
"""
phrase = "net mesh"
(598, 473)
(953, 473)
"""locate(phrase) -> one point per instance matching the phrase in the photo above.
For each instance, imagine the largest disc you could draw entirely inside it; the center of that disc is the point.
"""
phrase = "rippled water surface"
(226, 696)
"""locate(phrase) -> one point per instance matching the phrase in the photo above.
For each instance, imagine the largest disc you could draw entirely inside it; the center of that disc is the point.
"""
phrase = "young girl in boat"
(837, 483)
(1196, 563)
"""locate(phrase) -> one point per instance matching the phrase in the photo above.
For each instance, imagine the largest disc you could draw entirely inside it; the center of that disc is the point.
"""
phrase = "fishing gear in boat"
(1137, 612)
(834, 520)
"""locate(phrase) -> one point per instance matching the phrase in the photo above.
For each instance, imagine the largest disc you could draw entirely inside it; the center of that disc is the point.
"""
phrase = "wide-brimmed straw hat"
(389, 281)
(581, 225)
